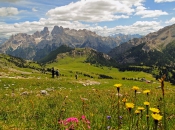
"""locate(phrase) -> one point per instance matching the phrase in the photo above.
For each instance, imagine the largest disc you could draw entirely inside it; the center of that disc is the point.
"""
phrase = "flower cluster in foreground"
(72, 122)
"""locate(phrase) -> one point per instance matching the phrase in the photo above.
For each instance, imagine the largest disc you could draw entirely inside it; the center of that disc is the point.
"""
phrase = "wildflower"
(154, 110)
(118, 86)
(70, 122)
(141, 108)
(129, 105)
(146, 91)
(147, 116)
(86, 121)
(146, 103)
(71, 119)
(137, 111)
(108, 127)
(120, 117)
(135, 88)
(157, 117)
(124, 100)
(108, 117)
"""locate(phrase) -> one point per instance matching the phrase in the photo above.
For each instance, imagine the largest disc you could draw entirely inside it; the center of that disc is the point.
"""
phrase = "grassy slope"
(77, 64)
(34, 111)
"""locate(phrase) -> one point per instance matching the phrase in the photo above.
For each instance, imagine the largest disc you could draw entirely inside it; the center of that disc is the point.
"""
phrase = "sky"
(105, 17)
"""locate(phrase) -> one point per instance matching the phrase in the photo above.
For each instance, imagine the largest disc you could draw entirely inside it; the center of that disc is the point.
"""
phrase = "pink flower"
(86, 121)
(70, 122)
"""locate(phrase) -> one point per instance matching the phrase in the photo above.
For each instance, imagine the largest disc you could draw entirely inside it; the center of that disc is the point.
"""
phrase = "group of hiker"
(55, 72)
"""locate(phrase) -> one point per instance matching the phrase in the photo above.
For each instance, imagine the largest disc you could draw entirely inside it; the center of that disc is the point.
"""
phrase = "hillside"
(14, 67)
(152, 49)
(90, 56)
(53, 54)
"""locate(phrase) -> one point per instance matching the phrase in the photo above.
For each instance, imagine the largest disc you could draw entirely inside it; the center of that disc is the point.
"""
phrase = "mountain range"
(41, 43)
(154, 48)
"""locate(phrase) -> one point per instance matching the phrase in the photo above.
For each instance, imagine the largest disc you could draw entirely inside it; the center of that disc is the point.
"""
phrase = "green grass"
(24, 107)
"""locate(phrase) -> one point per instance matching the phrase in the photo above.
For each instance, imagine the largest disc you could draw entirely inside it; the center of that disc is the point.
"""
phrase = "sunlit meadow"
(45, 103)
(35, 101)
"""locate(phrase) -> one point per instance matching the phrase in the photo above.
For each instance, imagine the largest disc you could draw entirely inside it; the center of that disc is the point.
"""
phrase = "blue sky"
(105, 17)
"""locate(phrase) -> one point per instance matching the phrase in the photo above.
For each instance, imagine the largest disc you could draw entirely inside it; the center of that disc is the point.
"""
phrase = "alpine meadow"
(87, 65)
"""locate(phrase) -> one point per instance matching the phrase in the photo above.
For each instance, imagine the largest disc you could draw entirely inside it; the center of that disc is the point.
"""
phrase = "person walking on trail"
(57, 73)
(53, 72)
(76, 76)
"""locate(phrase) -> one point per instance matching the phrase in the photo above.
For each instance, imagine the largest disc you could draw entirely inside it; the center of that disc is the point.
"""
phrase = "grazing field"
(100, 98)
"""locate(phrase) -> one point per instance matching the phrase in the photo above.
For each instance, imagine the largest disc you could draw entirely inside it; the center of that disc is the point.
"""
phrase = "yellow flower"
(157, 117)
(141, 108)
(124, 100)
(137, 111)
(129, 105)
(135, 88)
(146, 91)
(118, 85)
(154, 110)
(146, 103)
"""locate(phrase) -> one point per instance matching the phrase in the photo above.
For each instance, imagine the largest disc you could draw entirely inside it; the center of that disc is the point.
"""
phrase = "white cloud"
(161, 1)
(144, 13)
(34, 10)
(145, 23)
(132, 2)
(171, 21)
(71, 15)
(92, 11)
(174, 9)
(8, 11)
(9, 0)
(7, 30)
(139, 27)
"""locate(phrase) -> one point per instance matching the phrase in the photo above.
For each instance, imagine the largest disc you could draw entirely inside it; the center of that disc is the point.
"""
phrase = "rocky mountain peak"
(45, 31)
(43, 42)
(57, 30)
(36, 34)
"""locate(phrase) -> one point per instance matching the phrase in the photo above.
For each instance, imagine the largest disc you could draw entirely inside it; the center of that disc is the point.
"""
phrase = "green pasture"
(24, 106)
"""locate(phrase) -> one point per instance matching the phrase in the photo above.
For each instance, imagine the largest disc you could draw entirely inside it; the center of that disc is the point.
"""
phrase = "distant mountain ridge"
(150, 49)
(126, 38)
(41, 43)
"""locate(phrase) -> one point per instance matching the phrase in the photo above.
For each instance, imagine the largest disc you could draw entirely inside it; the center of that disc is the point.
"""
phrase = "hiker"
(53, 72)
(57, 73)
(76, 76)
